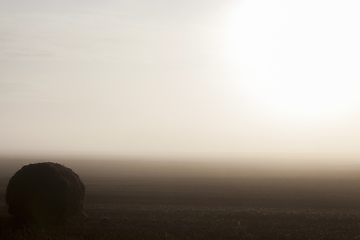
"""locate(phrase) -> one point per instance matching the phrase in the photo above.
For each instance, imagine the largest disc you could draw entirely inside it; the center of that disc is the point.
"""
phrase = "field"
(189, 207)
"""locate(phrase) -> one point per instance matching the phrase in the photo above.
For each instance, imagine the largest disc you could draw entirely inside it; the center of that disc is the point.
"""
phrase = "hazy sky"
(227, 78)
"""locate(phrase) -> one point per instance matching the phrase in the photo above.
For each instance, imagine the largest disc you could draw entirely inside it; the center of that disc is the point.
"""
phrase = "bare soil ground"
(206, 208)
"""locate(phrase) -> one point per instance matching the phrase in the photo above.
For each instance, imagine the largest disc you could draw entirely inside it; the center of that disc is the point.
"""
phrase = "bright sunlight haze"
(302, 57)
(239, 79)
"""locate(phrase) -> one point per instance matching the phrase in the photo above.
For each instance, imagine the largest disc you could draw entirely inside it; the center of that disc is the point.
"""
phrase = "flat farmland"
(150, 207)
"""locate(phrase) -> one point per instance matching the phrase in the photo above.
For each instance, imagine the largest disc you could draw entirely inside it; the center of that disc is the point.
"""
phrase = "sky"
(238, 79)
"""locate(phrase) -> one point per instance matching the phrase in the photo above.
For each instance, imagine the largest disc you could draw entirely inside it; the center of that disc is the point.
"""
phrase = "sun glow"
(302, 57)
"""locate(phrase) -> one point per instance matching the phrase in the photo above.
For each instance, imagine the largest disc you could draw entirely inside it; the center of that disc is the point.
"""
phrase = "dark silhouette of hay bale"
(105, 221)
(45, 193)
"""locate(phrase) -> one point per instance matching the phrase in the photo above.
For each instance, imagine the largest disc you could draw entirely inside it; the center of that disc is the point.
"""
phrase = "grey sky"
(148, 78)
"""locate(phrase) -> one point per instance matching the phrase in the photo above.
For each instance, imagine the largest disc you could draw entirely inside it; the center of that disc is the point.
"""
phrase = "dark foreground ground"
(206, 208)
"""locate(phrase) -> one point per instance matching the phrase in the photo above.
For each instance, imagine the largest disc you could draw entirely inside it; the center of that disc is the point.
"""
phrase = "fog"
(107, 168)
(213, 87)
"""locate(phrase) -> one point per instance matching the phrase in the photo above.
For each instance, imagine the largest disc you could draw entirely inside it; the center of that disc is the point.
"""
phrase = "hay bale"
(45, 193)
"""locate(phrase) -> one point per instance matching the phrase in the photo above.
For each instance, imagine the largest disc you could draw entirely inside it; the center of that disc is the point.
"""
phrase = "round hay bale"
(45, 193)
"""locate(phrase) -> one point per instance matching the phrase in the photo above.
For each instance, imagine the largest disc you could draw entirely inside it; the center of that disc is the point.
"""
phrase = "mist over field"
(194, 119)
(106, 167)
(174, 198)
